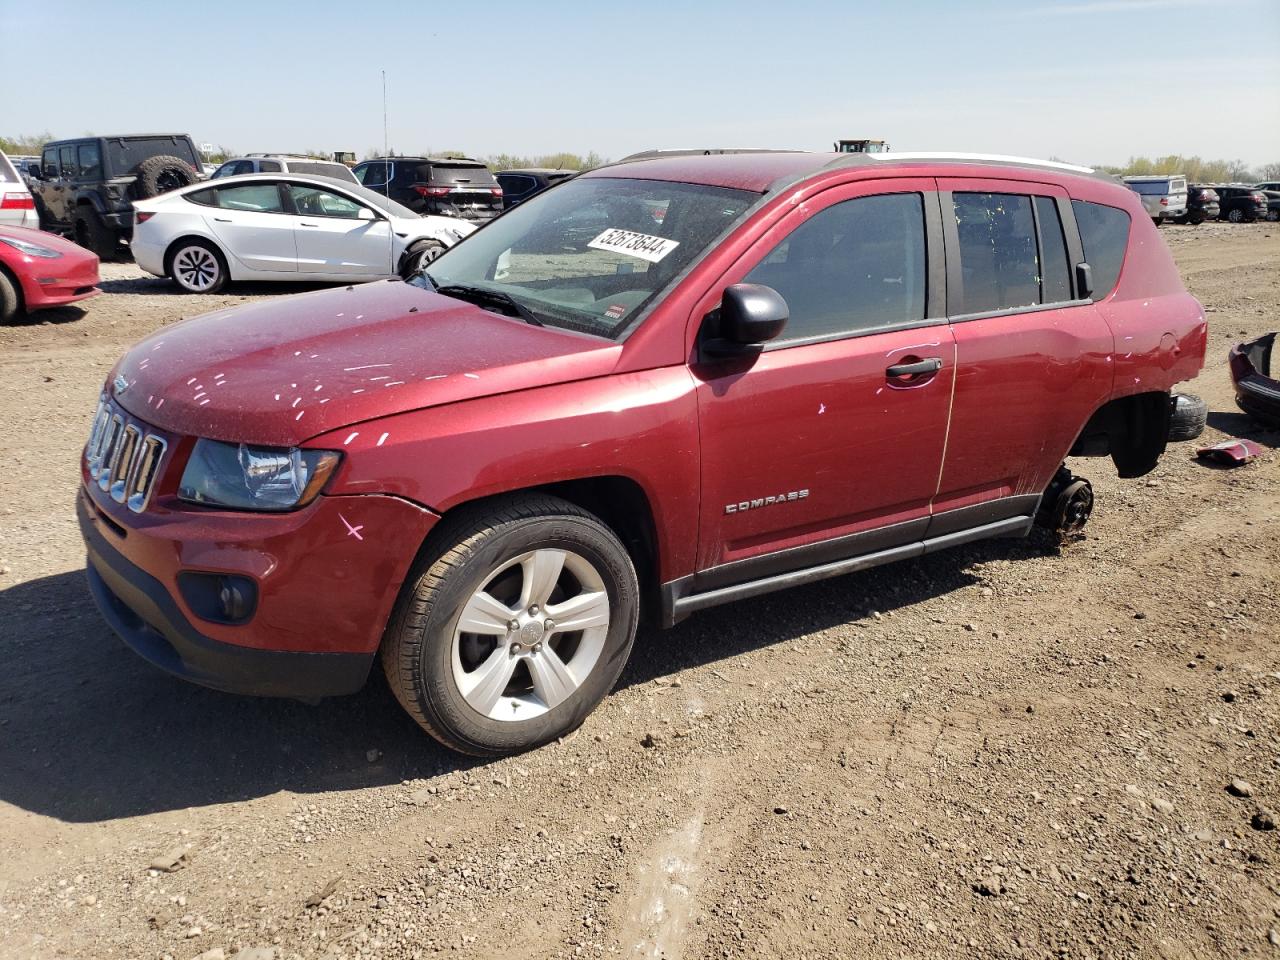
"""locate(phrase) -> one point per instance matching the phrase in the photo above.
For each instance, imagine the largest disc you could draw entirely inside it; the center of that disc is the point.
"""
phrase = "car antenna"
(391, 234)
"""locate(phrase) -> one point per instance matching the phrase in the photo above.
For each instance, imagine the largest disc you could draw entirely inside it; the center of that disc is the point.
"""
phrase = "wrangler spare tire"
(1188, 416)
(157, 175)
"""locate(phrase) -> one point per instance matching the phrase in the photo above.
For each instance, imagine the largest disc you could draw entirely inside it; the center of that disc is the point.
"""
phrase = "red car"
(808, 365)
(40, 270)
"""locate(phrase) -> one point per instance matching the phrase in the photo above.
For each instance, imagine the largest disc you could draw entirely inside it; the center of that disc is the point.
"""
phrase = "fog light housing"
(219, 597)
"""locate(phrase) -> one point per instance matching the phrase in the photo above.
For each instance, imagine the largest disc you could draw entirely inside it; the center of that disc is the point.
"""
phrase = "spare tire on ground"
(1187, 419)
(157, 175)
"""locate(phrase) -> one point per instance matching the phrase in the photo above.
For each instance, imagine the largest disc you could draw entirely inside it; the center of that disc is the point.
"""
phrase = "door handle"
(308, 224)
(930, 365)
(221, 219)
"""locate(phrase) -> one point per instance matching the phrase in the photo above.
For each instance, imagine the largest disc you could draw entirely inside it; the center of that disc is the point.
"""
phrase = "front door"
(332, 238)
(827, 444)
(1033, 361)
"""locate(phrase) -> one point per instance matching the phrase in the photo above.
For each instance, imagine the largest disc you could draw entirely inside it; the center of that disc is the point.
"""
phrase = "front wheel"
(515, 628)
(1235, 216)
(419, 256)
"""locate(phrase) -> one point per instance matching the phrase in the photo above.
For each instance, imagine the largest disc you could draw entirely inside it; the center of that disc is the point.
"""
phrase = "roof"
(478, 163)
(541, 171)
(762, 171)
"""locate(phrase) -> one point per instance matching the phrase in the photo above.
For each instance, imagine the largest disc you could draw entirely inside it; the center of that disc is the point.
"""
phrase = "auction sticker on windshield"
(632, 244)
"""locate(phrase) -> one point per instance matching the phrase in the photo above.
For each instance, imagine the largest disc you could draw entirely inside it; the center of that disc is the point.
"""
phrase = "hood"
(282, 371)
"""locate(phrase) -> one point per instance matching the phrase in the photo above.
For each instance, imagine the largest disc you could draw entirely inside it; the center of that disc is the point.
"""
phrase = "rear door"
(821, 446)
(252, 225)
(1033, 361)
(331, 237)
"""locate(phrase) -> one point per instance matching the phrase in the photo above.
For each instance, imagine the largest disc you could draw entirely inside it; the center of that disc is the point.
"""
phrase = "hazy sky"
(1093, 81)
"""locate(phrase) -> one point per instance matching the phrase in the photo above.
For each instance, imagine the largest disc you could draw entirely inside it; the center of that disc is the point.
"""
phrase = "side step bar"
(680, 607)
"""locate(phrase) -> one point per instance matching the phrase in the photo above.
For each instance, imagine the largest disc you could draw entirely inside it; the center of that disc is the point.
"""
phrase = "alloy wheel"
(196, 268)
(530, 635)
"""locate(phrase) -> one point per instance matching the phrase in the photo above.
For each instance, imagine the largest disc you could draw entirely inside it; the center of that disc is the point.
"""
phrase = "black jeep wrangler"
(86, 187)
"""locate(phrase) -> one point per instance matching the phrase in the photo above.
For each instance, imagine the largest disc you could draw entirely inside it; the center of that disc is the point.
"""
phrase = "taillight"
(17, 201)
(497, 191)
(422, 191)
(142, 216)
(1164, 201)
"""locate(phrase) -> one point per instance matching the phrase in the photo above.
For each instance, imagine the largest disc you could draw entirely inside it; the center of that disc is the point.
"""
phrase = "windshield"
(591, 254)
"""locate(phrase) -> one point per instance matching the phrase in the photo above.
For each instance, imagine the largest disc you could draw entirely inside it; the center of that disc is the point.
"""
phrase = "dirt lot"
(1011, 750)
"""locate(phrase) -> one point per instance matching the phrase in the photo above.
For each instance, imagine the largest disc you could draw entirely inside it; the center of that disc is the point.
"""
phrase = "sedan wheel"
(419, 257)
(198, 268)
(514, 627)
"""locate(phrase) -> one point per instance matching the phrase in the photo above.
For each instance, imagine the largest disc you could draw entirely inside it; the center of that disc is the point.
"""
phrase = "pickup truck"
(753, 371)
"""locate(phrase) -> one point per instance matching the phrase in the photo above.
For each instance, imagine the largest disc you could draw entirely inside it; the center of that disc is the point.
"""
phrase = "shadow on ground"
(89, 732)
(1244, 427)
(161, 286)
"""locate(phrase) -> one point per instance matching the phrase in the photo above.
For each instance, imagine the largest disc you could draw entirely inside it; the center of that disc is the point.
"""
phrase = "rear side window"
(67, 158)
(1055, 274)
(514, 184)
(269, 166)
(248, 197)
(853, 267)
(90, 161)
(997, 252)
(335, 170)
(1104, 232)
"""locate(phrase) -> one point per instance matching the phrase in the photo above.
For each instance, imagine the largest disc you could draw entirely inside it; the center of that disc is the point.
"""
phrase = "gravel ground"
(1015, 749)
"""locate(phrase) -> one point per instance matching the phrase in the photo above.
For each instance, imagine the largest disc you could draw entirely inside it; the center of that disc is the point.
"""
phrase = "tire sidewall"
(434, 686)
(415, 260)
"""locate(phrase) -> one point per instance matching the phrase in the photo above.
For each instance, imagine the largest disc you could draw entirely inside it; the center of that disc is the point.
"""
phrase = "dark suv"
(1241, 203)
(1202, 205)
(443, 186)
(86, 187)
(520, 185)
(753, 371)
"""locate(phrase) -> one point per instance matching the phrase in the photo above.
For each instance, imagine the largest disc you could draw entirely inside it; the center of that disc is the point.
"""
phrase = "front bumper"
(138, 608)
(323, 597)
(56, 282)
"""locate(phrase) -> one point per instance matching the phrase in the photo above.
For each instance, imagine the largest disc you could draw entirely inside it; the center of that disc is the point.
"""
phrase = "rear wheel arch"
(1132, 430)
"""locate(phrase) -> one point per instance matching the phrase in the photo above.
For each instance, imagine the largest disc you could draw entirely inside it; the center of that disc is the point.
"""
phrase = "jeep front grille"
(122, 458)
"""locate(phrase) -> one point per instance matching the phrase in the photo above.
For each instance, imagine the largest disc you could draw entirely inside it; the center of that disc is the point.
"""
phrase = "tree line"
(1196, 169)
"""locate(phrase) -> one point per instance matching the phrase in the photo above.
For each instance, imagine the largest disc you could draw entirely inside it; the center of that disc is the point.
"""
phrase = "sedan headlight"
(244, 477)
(31, 249)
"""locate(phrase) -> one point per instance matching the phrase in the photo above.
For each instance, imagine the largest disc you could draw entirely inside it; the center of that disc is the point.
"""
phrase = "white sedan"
(283, 227)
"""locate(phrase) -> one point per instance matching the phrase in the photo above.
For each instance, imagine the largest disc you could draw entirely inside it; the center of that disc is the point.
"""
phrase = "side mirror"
(1084, 281)
(364, 213)
(751, 314)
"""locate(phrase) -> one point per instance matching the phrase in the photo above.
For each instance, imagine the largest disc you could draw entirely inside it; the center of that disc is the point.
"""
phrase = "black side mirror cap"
(1084, 281)
(750, 315)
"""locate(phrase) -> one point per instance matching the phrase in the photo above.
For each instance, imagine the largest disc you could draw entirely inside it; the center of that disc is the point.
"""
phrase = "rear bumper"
(138, 607)
(148, 256)
(1259, 397)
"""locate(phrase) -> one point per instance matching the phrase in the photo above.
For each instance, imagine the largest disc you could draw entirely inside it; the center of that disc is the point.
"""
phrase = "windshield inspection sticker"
(639, 245)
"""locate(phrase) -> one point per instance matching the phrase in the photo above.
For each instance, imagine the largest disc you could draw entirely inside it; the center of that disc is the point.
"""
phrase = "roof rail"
(696, 152)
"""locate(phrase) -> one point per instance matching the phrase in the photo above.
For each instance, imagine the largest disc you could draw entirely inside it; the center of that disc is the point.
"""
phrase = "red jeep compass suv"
(671, 382)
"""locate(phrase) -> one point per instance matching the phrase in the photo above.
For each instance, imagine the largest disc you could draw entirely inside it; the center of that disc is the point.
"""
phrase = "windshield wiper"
(482, 297)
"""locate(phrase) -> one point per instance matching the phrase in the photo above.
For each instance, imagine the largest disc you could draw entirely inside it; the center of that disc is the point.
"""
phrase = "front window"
(591, 255)
(316, 202)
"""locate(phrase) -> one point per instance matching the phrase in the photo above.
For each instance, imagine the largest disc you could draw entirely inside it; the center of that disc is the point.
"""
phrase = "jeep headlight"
(246, 477)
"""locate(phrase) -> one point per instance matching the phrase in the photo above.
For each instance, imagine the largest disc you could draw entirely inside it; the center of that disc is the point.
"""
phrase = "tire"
(1236, 215)
(506, 553)
(419, 255)
(1273, 215)
(157, 175)
(197, 266)
(1187, 418)
(10, 300)
(1195, 221)
(92, 234)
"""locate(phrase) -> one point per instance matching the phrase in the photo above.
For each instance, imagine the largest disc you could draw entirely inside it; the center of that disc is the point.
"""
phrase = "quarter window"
(1055, 274)
(1104, 233)
(856, 266)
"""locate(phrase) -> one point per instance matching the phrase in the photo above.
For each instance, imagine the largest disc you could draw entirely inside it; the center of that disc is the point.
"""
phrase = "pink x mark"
(352, 531)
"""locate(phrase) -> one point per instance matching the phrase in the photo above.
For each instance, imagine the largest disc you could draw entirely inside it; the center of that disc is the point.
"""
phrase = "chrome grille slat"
(122, 458)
